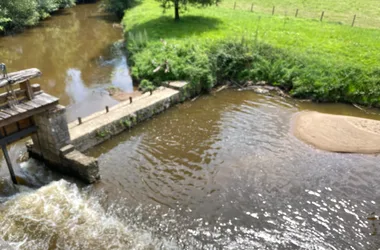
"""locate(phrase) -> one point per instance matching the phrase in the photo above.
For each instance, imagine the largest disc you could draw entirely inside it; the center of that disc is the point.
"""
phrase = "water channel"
(221, 172)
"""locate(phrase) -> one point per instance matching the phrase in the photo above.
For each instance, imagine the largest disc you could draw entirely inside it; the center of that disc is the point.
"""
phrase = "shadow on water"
(186, 26)
(106, 17)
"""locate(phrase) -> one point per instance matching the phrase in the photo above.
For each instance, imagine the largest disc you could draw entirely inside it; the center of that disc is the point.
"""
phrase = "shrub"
(146, 85)
(163, 61)
(205, 65)
(118, 7)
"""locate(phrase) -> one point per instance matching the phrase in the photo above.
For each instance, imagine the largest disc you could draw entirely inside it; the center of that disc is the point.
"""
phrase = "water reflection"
(79, 39)
(95, 99)
(227, 173)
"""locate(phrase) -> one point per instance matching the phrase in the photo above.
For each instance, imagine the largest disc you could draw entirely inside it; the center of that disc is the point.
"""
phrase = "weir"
(28, 111)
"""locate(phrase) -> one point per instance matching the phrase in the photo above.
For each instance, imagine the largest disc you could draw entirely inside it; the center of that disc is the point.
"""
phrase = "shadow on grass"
(165, 27)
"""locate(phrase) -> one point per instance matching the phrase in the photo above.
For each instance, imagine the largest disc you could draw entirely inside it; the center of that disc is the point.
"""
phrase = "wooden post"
(80, 120)
(353, 21)
(322, 15)
(235, 5)
(130, 99)
(151, 92)
(9, 163)
(28, 89)
(297, 13)
(273, 10)
(252, 7)
(107, 109)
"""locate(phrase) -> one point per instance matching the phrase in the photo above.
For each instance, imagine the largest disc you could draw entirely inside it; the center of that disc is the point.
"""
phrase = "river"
(221, 172)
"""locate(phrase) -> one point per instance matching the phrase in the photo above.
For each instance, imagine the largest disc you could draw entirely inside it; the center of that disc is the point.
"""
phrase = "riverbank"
(324, 62)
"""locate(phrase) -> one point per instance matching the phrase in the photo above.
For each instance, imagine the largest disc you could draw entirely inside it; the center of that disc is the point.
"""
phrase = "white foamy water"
(61, 216)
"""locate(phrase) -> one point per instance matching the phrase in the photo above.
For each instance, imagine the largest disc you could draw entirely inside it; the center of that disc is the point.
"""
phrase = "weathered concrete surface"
(51, 144)
(100, 126)
(70, 162)
(82, 166)
(186, 90)
(338, 133)
(52, 134)
(61, 144)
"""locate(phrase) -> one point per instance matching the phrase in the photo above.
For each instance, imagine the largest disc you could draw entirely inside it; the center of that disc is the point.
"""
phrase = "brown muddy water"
(76, 54)
(222, 172)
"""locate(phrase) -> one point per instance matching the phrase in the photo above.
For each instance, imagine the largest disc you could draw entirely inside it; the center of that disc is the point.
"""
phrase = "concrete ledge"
(70, 162)
(99, 128)
(54, 141)
(186, 90)
(82, 166)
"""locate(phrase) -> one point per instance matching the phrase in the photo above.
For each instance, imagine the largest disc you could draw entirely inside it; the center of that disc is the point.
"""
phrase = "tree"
(178, 4)
(117, 7)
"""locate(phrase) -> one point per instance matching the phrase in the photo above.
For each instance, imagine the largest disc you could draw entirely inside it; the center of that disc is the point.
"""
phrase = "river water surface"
(222, 172)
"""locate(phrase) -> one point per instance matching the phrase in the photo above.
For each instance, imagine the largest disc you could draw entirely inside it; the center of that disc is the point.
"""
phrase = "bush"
(205, 65)
(161, 61)
(146, 85)
(118, 7)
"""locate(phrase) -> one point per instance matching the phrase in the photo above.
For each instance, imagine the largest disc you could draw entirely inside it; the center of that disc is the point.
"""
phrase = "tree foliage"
(182, 4)
(16, 14)
(117, 7)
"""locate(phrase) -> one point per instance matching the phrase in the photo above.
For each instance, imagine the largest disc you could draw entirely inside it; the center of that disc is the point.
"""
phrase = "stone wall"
(52, 134)
(51, 144)
(60, 144)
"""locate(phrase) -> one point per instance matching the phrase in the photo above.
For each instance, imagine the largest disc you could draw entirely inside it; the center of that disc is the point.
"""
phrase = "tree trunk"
(176, 10)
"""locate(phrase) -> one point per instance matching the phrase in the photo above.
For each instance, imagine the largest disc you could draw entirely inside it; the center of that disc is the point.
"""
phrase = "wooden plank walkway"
(38, 104)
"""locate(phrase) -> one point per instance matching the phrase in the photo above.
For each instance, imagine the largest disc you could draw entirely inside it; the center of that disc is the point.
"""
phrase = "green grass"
(323, 61)
(338, 43)
(367, 11)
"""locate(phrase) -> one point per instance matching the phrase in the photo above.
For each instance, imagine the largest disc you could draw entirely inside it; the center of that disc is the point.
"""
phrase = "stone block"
(84, 167)
(66, 149)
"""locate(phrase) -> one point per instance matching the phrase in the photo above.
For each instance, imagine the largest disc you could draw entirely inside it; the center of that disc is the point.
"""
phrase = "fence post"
(273, 10)
(252, 7)
(235, 5)
(296, 12)
(353, 21)
(322, 15)
(79, 120)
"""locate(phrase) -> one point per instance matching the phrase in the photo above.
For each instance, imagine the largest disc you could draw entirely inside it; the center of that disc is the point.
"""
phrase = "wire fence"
(354, 19)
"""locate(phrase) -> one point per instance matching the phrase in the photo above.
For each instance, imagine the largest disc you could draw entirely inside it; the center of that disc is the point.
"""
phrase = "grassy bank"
(322, 61)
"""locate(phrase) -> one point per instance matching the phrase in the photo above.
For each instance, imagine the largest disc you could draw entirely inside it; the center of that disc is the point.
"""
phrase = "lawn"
(323, 61)
(367, 11)
(323, 40)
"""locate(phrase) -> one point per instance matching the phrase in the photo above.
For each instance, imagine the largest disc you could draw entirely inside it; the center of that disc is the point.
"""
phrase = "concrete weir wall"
(62, 144)
(100, 126)
(51, 144)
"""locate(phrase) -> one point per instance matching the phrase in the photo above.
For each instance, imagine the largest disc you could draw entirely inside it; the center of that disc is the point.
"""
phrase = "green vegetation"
(103, 133)
(117, 7)
(146, 85)
(310, 59)
(182, 4)
(367, 11)
(16, 14)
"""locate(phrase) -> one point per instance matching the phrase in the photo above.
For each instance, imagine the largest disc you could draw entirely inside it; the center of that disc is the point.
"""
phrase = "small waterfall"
(62, 216)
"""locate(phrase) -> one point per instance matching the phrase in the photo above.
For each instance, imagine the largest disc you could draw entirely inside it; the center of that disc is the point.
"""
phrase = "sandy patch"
(338, 133)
